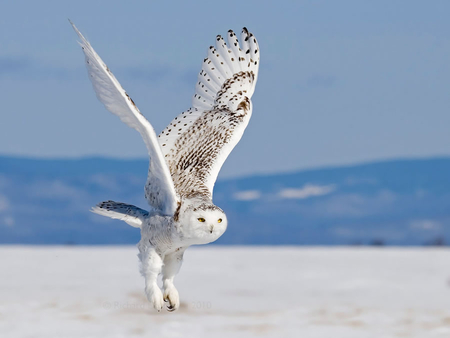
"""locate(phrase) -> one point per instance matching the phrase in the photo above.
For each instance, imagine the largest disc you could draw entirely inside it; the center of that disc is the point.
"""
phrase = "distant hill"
(399, 202)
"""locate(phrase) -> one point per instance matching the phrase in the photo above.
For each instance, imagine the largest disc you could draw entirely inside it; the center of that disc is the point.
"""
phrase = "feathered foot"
(171, 296)
(150, 269)
(155, 296)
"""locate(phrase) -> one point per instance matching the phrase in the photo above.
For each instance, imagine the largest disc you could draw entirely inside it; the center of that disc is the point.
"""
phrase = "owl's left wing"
(198, 141)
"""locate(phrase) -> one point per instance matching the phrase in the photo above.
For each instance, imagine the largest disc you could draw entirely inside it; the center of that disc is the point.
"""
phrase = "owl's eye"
(201, 219)
(219, 220)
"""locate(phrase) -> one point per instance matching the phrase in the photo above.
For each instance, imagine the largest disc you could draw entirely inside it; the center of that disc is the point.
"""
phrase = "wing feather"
(233, 43)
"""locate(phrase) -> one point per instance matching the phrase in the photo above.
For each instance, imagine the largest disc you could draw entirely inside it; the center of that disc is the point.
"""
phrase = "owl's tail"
(131, 214)
(229, 73)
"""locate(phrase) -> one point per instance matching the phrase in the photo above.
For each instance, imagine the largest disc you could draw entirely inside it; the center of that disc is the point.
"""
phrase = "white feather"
(221, 48)
(233, 44)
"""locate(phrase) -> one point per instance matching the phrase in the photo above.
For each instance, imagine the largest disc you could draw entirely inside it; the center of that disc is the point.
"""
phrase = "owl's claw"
(171, 296)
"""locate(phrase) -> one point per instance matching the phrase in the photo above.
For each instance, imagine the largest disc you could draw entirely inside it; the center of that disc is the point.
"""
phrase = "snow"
(228, 292)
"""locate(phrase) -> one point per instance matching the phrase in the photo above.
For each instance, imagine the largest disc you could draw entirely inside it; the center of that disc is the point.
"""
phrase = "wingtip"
(94, 209)
(73, 25)
(83, 39)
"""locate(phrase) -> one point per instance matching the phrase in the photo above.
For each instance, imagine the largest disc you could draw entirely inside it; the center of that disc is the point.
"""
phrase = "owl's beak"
(211, 228)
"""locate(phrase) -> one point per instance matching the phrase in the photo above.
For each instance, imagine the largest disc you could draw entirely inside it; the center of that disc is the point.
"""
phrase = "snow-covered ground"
(228, 292)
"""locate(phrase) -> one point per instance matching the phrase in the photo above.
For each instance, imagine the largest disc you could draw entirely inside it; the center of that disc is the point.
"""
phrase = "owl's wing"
(198, 141)
(159, 189)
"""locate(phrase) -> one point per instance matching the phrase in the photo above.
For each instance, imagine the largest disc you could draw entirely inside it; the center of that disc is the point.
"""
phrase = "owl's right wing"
(198, 141)
(159, 190)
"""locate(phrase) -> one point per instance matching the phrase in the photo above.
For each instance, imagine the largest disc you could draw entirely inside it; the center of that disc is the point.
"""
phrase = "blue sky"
(340, 81)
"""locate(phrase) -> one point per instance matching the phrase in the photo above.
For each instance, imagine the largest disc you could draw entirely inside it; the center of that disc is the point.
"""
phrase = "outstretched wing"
(198, 141)
(159, 189)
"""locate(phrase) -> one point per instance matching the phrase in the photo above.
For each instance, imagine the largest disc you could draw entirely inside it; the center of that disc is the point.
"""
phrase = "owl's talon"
(171, 296)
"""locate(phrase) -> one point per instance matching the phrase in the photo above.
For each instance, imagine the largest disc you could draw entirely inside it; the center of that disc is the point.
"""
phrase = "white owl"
(185, 158)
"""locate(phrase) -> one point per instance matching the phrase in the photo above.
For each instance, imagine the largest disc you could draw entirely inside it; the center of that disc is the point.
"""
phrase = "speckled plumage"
(185, 158)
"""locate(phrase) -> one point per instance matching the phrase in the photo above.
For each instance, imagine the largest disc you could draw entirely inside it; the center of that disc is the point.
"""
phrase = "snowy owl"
(185, 158)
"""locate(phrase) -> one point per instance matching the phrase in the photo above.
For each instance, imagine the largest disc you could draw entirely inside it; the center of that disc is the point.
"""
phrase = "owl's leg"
(172, 264)
(150, 269)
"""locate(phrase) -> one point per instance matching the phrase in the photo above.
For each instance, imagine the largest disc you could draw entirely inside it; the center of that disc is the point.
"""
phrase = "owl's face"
(205, 223)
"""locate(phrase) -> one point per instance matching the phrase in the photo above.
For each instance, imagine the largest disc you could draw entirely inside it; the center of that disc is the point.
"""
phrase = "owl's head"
(205, 222)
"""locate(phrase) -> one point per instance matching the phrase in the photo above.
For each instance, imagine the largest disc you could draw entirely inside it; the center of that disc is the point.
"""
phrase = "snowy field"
(228, 292)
